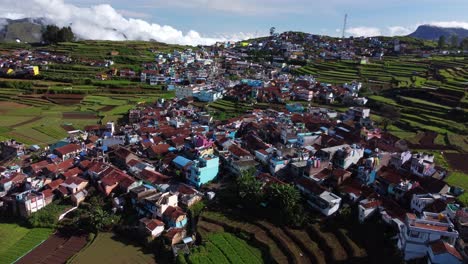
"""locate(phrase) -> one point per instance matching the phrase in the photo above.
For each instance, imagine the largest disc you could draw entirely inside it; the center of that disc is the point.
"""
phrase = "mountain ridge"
(431, 32)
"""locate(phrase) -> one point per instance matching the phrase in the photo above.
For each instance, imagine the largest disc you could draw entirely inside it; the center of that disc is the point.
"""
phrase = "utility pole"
(344, 25)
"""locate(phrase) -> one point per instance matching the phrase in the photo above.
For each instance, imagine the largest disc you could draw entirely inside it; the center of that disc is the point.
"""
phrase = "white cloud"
(243, 7)
(399, 31)
(128, 13)
(456, 24)
(364, 31)
(102, 22)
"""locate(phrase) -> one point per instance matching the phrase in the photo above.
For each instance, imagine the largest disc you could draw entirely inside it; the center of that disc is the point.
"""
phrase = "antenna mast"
(344, 25)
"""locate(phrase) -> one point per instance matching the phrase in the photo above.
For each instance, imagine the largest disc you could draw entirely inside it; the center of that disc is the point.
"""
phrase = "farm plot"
(79, 115)
(56, 249)
(106, 248)
(225, 248)
(17, 241)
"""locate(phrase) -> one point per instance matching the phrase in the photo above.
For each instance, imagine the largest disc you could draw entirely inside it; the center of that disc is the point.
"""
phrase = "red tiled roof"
(68, 149)
(72, 172)
(171, 233)
(441, 247)
(151, 224)
(47, 193)
(154, 177)
(133, 162)
(372, 204)
(160, 148)
(389, 175)
(98, 167)
(39, 165)
(55, 184)
(173, 212)
(116, 176)
(310, 185)
(238, 151)
(74, 180)
(185, 189)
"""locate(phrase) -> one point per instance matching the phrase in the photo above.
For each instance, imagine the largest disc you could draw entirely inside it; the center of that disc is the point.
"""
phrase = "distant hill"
(26, 30)
(429, 32)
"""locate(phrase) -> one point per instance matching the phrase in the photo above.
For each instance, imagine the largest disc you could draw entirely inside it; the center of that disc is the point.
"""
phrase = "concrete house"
(152, 227)
(318, 197)
(203, 170)
(418, 233)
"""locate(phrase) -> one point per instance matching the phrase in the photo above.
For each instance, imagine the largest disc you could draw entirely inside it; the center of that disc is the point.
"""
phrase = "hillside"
(27, 30)
(429, 32)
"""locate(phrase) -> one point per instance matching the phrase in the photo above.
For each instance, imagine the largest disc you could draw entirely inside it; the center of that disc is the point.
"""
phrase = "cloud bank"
(400, 30)
(103, 22)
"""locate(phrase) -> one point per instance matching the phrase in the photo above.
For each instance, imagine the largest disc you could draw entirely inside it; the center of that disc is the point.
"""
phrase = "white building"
(318, 197)
(186, 91)
(152, 227)
(367, 208)
(443, 253)
(418, 233)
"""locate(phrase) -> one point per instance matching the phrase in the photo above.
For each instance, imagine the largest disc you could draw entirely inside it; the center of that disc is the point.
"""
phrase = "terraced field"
(16, 241)
(285, 245)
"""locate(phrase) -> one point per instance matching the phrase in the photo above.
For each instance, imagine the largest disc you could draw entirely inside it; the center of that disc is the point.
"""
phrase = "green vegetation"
(459, 179)
(54, 34)
(17, 240)
(224, 248)
(48, 216)
(107, 248)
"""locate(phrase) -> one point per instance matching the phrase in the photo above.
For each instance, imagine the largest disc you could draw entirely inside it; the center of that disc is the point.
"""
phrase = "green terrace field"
(42, 122)
(16, 241)
(107, 248)
(224, 248)
(341, 240)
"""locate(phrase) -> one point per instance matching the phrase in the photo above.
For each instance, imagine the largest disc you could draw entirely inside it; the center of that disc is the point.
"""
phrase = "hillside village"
(166, 156)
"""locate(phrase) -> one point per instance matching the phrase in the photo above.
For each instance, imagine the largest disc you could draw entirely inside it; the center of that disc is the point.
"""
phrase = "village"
(166, 156)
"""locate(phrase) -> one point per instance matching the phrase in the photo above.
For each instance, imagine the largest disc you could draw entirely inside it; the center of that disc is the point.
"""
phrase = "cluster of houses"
(25, 63)
(160, 161)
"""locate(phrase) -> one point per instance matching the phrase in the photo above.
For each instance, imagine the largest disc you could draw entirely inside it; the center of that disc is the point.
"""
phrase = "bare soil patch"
(79, 115)
(457, 161)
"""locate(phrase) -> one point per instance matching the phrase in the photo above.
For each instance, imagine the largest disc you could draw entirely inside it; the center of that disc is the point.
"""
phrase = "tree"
(283, 196)
(390, 115)
(66, 35)
(50, 34)
(54, 34)
(284, 200)
(464, 44)
(272, 31)
(454, 41)
(441, 42)
(249, 189)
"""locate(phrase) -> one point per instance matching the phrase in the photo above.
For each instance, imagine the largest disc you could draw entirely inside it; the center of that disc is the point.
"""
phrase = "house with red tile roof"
(441, 252)
(174, 216)
(152, 227)
(418, 234)
(67, 151)
(113, 178)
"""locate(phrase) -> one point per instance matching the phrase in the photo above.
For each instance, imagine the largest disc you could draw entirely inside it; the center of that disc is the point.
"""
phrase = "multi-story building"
(30, 202)
(418, 233)
(318, 197)
(203, 170)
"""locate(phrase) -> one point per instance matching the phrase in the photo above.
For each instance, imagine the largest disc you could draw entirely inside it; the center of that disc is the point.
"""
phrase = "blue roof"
(149, 186)
(180, 161)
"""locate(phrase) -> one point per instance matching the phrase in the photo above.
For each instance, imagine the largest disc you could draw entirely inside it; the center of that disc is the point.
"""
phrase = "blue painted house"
(203, 170)
(174, 216)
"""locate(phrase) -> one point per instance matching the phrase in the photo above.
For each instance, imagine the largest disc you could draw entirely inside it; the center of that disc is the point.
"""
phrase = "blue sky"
(193, 22)
(213, 17)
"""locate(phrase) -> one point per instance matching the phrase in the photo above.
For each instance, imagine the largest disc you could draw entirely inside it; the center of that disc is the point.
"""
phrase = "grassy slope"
(225, 248)
(16, 241)
(106, 249)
